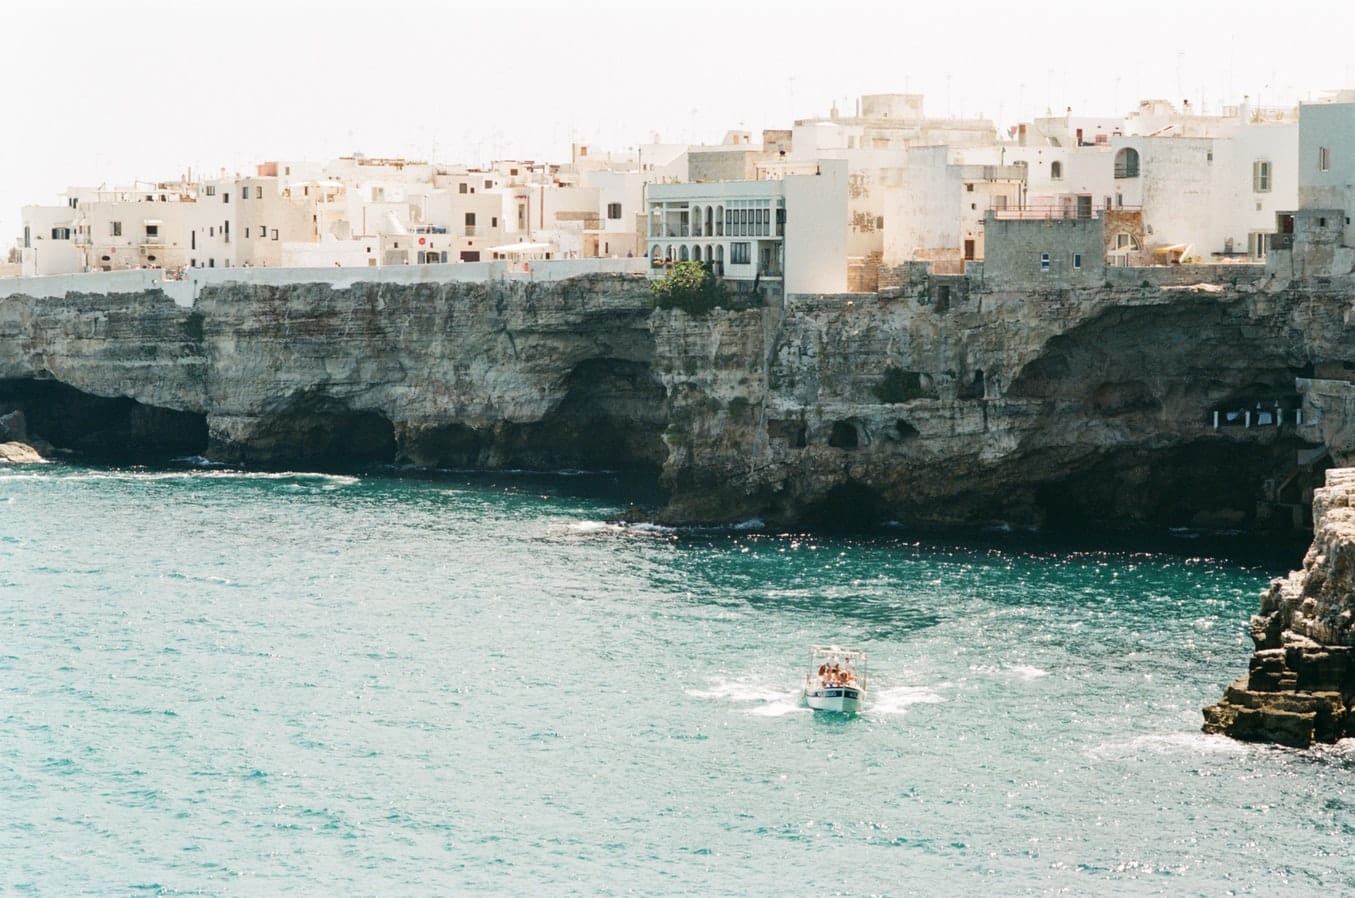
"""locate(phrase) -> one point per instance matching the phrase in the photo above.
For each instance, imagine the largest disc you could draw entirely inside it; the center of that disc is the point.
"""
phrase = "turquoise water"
(224, 684)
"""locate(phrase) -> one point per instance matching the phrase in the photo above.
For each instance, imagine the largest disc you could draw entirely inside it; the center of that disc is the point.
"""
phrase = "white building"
(787, 235)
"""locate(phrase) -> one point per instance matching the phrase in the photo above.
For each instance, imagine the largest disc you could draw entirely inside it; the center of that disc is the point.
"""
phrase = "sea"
(395, 683)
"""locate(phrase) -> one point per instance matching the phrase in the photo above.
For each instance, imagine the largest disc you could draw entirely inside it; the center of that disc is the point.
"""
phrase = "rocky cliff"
(941, 401)
(1300, 687)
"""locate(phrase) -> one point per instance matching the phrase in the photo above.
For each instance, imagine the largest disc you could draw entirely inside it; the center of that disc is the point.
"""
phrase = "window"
(740, 253)
(61, 233)
(1260, 176)
(226, 196)
(152, 230)
(463, 187)
(226, 230)
(274, 233)
(489, 185)
(614, 211)
(258, 193)
(1044, 261)
(115, 228)
(263, 232)
(1127, 163)
(1056, 171)
(246, 233)
(494, 221)
(470, 219)
(193, 239)
(244, 193)
(211, 190)
(211, 232)
(1324, 158)
(1077, 261)
(1256, 244)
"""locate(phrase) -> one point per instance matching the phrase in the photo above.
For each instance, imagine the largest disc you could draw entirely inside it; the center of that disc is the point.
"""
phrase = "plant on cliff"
(690, 287)
(898, 385)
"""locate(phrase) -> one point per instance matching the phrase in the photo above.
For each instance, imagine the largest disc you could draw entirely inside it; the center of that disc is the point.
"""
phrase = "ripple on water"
(233, 683)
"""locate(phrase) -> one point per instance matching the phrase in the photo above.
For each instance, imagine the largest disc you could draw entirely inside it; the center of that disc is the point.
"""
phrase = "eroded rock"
(1300, 686)
(15, 453)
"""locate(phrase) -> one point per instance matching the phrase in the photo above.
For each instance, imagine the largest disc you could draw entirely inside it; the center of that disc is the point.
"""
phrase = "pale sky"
(120, 90)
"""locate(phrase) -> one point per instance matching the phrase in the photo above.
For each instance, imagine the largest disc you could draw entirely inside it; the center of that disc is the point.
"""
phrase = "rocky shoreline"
(1300, 686)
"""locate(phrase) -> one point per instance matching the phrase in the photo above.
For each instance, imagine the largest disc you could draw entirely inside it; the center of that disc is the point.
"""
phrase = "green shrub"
(690, 287)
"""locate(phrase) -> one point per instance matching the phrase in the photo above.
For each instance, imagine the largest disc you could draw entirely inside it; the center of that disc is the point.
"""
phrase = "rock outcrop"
(1300, 687)
(16, 453)
(942, 401)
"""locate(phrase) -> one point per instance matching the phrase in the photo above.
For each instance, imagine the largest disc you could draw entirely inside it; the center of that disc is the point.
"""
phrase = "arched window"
(1127, 163)
(682, 254)
(696, 217)
(719, 221)
(1056, 171)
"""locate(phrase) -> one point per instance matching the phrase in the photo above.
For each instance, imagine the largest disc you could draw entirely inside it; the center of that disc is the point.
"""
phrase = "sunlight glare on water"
(240, 684)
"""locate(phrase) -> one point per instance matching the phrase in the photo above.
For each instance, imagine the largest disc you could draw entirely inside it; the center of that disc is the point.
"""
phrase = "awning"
(520, 248)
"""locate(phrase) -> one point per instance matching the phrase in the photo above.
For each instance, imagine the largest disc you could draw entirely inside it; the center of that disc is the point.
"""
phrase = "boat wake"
(765, 701)
(898, 699)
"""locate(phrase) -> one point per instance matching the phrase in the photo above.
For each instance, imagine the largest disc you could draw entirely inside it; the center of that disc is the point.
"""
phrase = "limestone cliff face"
(504, 373)
(435, 375)
(946, 400)
(1301, 684)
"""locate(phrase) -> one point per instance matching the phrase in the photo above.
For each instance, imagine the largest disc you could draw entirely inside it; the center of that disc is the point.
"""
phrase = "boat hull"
(842, 699)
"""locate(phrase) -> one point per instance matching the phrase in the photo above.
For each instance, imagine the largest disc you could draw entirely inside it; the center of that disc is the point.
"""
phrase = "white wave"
(329, 480)
(1170, 743)
(640, 529)
(897, 699)
(741, 691)
(750, 524)
(1014, 671)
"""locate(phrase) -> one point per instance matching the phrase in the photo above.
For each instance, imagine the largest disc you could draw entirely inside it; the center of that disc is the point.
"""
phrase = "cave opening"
(320, 434)
(1210, 485)
(612, 416)
(849, 507)
(115, 430)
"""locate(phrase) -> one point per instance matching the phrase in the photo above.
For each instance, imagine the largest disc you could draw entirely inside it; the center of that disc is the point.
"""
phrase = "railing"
(1126, 170)
(1042, 213)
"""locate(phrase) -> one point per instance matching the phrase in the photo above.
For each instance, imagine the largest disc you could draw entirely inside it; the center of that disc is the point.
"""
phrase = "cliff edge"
(1300, 686)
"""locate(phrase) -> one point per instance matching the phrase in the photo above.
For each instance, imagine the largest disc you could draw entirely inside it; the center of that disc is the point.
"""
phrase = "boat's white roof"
(836, 651)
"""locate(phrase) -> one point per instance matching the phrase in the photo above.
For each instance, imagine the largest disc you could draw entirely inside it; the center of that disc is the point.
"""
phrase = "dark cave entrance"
(610, 417)
(849, 507)
(1212, 485)
(318, 433)
(117, 430)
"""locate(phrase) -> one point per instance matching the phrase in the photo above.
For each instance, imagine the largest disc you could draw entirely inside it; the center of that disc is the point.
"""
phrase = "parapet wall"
(185, 292)
(1184, 275)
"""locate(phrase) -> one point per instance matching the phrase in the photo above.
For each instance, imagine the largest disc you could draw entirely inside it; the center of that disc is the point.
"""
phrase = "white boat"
(836, 680)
